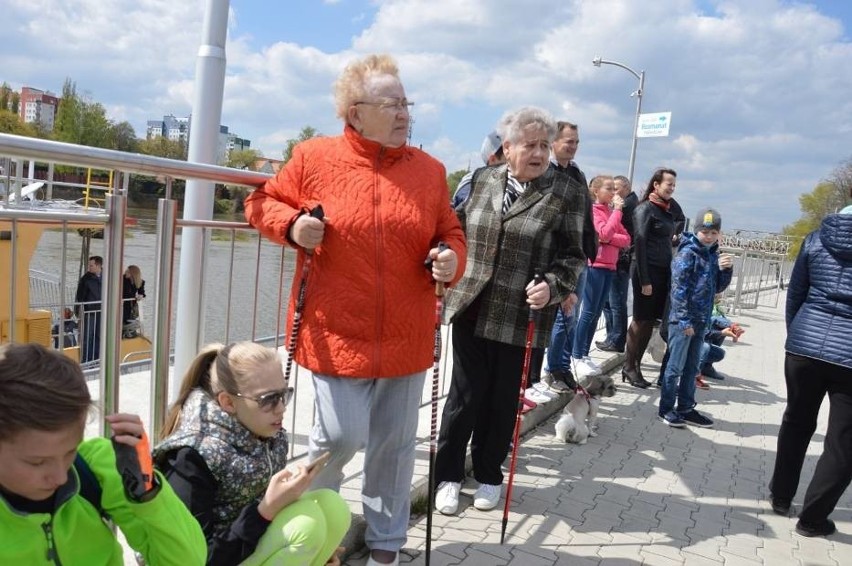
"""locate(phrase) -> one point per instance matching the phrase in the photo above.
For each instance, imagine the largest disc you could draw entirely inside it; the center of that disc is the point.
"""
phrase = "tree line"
(830, 195)
(83, 121)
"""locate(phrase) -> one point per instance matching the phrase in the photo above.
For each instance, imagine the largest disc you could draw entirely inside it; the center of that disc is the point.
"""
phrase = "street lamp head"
(596, 61)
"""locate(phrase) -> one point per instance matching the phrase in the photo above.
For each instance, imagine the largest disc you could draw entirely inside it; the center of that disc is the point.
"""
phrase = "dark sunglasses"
(268, 401)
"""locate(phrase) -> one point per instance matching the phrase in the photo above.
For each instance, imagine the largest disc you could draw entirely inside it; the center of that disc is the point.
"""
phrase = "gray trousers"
(381, 416)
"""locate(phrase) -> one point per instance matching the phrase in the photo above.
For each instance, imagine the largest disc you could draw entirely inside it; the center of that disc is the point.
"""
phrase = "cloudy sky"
(759, 90)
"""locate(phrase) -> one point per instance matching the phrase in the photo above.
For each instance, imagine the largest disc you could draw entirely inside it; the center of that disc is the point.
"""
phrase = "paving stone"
(643, 493)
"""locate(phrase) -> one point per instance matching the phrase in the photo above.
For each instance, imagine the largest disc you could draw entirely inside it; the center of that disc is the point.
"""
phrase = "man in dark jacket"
(563, 150)
(88, 307)
(615, 308)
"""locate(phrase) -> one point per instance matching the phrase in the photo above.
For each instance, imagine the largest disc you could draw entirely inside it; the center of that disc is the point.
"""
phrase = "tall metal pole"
(597, 62)
(636, 127)
(198, 203)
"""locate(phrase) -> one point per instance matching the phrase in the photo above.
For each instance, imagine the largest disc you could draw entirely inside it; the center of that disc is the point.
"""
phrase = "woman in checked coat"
(521, 218)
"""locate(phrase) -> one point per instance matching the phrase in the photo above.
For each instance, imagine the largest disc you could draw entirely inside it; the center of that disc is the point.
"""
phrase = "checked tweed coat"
(542, 231)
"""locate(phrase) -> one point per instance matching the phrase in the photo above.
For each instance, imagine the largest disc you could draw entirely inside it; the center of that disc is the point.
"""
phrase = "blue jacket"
(696, 278)
(819, 298)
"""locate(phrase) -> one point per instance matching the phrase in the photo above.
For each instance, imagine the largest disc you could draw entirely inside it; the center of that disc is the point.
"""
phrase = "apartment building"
(178, 129)
(38, 107)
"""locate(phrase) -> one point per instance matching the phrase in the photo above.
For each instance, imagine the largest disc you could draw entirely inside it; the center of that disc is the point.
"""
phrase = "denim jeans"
(710, 354)
(682, 367)
(562, 335)
(595, 293)
(615, 309)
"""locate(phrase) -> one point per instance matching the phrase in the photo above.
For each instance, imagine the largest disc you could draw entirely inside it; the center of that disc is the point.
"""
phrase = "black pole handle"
(317, 212)
(441, 247)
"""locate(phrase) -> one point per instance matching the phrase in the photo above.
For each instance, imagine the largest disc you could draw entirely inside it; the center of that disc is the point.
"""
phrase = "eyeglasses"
(398, 104)
(268, 401)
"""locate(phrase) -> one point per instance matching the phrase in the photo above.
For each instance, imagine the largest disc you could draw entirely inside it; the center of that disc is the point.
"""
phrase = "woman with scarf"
(522, 218)
(654, 226)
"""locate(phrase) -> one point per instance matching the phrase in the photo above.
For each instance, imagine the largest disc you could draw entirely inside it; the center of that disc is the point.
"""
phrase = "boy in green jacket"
(57, 493)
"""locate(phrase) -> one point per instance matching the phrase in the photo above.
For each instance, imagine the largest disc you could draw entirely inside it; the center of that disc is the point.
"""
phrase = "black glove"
(136, 469)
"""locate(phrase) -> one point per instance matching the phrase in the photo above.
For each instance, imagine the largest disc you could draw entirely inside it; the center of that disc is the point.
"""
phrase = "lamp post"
(597, 62)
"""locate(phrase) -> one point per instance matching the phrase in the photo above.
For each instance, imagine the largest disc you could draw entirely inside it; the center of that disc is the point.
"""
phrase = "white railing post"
(111, 311)
(198, 201)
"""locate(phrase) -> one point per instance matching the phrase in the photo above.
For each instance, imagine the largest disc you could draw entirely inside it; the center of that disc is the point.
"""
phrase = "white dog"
(572, 425)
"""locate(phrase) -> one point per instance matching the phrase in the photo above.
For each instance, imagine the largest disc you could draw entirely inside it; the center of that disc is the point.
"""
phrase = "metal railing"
(249, 269)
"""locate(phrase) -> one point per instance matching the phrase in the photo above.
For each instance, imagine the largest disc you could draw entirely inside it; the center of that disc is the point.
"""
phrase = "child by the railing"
(224, 451)
(59, 495)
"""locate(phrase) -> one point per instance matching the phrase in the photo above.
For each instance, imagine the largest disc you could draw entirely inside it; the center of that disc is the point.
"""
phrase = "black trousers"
(808, 381)
(481, 406)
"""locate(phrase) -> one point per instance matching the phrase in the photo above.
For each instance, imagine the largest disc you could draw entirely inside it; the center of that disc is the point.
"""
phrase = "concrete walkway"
(638, 493)
(641, 492)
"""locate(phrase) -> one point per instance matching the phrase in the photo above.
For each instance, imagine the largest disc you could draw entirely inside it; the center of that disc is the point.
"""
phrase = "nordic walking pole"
(317, 213)
(433, 431)
(516, 434)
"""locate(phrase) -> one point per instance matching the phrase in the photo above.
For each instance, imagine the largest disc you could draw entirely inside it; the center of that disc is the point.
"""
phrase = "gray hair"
(514, 122)
(623, 179)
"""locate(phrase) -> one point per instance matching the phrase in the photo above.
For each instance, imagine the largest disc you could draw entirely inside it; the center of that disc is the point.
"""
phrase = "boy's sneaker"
(584, 368)
(673, 419)
(700, 383)
(695, 418)
(816, 529)
(591, 363)
(447, 497)
(487, 496)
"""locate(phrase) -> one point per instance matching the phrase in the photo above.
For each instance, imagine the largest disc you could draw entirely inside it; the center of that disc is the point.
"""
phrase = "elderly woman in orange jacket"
(368, 320)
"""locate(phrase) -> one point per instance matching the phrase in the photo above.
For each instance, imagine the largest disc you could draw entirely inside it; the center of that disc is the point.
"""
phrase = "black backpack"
(90, 489)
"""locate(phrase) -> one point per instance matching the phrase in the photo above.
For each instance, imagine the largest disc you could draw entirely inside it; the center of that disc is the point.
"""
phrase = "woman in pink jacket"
(612, 236)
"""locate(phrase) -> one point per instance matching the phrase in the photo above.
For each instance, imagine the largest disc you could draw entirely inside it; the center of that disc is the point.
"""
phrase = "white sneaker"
(592, 363)
(583, 368)
(487, 496)
(447, 497)
(373, 562)
(536, 396)
(544, 388)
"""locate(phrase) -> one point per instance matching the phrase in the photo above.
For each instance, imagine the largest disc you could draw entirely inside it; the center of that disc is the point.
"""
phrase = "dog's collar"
(582, 391)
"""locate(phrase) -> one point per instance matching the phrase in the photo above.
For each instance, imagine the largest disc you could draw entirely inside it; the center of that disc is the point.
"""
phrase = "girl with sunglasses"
(224, 450)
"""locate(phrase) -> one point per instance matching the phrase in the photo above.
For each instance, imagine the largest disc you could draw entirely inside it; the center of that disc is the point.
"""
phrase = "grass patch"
(420, 505)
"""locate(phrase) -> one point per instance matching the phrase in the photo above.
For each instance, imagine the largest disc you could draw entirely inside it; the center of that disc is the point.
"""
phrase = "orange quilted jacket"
(370, 303)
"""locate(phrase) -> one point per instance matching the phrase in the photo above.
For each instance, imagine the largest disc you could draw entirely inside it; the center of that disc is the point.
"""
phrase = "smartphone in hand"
(318, 464)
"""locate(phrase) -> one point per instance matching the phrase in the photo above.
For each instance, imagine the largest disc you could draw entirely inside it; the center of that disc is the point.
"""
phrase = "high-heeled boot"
(638, 336)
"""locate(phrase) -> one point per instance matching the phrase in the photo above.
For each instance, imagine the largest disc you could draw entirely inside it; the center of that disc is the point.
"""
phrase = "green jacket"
(162, 529)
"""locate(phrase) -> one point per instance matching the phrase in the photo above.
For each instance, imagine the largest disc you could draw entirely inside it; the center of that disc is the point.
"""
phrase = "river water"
(250, 265)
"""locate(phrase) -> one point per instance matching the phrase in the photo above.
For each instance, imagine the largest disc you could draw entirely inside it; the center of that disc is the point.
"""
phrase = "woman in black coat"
(654, 226)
